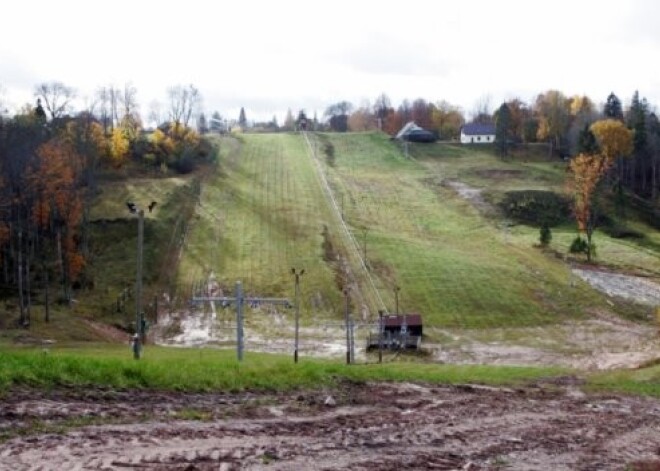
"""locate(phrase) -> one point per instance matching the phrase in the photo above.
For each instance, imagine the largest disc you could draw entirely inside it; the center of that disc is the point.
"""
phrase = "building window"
(478, 138)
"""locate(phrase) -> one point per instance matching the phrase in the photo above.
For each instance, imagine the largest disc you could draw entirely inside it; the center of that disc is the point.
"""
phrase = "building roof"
(397, 321)
(476, 129)
(407, 129)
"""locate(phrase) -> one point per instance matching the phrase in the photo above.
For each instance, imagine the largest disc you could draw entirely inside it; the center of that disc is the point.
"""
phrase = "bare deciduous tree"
(155, 113)
(56, 96)
(184, 103)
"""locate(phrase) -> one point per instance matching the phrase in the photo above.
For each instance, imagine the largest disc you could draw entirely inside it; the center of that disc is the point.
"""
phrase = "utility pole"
(297, 275)
(396, 300)
(380, 336)
(239, 320)
(239, 299)
(138, 286)
(348, 333)
(364, 251)
(140, 332)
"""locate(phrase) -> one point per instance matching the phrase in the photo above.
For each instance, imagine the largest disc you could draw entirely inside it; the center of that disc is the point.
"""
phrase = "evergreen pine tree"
(587, 141)
(242, 120)
(503, 129)
(613, 108)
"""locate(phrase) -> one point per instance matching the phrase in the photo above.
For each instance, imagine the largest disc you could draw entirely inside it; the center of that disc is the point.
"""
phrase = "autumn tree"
(586, 171)
(362, 120)
(393, 122)
(119, 145)
(582, 113)
(54, 179)
(422, 113)
(520, 114)
(447, 120)
(553, 113)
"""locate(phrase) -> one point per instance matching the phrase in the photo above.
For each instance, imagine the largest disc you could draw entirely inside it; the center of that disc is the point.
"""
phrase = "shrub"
(535, 207)
(579, 245)
(545, 235)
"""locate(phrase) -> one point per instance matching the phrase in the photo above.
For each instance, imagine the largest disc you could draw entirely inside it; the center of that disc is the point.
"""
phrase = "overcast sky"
(276, 54)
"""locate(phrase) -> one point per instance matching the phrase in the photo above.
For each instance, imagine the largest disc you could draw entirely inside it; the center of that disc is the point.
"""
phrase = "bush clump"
(536, 207)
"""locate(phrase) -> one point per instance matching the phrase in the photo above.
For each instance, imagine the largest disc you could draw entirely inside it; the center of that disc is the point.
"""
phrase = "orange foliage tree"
(586, 171)
(58, 206)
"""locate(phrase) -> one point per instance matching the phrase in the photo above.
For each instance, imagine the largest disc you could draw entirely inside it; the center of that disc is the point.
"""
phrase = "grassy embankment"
(207, 370)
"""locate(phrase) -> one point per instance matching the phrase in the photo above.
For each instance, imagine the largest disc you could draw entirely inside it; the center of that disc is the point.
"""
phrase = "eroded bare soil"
(363, 427)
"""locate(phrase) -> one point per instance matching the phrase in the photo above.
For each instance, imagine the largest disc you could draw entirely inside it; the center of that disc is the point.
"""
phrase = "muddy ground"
(380, 426)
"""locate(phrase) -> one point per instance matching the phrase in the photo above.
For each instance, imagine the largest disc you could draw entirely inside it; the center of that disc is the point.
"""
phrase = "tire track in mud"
(371, 427)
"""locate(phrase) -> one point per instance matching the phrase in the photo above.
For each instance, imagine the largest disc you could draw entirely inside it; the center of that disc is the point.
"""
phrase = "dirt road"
(358, 427)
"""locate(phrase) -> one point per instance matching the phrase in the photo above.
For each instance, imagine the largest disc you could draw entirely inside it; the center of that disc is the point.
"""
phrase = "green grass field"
(189, 370)
(453, 265)
(209, 369)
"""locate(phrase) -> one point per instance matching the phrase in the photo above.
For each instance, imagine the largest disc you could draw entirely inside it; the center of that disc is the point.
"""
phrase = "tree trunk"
(654, 177)
(20, 281)
(46, 291)
(28, 287)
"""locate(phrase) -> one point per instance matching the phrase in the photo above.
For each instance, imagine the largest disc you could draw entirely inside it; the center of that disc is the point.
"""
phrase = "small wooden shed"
(398, 331)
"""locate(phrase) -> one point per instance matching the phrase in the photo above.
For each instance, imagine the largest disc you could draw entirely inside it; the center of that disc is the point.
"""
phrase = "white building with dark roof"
(476, 133)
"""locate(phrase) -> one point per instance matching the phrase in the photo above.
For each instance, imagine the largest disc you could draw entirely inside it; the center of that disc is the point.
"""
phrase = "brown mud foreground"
(380, 426)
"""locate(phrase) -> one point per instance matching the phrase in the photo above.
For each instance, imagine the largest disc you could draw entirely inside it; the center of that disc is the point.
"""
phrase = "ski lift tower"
(239, 299)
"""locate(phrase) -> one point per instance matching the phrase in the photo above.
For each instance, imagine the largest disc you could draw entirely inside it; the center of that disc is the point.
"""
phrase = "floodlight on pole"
(139, 338)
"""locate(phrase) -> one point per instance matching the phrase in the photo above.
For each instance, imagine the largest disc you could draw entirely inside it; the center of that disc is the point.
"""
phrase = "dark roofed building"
(413, 133)
(476, 133)
(412, 323)
(399, 332)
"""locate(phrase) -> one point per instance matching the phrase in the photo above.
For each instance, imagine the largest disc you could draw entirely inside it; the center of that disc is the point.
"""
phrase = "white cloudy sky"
(276, 54)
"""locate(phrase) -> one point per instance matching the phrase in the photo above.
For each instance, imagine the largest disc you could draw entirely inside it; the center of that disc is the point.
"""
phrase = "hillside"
(428, 225)
(268, 209)
(266, 212)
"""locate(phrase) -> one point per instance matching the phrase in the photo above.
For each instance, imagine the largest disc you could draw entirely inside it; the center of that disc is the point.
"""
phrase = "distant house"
(413, 133)
(476, 133)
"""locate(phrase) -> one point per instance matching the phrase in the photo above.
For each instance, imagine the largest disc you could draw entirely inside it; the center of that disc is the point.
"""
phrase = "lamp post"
(297, 276)
(139, 338)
